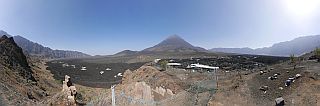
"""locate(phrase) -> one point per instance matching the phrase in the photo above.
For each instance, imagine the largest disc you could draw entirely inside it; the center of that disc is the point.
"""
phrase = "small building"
(200, 66)
(156, 60)
(174, 65)
(65, 65)
(74, 66)
(83, 68)
(101, 72)
(119, 74)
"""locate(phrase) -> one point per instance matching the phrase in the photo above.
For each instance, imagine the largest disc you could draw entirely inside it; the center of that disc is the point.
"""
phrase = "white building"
(101, 72)
(173, 64)
(156, 60)
(202, 66)
(83, 68)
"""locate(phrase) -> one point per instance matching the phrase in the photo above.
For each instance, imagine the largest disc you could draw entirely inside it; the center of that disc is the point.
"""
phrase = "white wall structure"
(203, 66)
(173, 64)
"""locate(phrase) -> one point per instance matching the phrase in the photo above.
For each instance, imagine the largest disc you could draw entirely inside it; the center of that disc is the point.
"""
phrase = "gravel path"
(2, 103)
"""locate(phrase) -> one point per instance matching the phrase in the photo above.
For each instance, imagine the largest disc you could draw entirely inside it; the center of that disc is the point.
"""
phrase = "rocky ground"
(148, 86)
(243, 89)
(26, 81)
(22, 80)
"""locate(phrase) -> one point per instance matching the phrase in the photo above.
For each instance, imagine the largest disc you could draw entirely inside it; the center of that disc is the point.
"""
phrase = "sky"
(101, 27)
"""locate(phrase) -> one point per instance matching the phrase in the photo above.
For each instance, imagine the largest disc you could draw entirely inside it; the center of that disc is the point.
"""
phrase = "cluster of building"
(67, 65)
(193, 67)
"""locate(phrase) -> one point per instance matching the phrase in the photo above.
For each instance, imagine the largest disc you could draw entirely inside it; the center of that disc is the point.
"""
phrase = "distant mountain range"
(298, 46)
(175, 44)
(39, 50)
(35, 49)
(125, 53)
(4, 33)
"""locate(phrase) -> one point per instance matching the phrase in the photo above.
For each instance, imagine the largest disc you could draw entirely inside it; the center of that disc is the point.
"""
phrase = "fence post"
(113, 95)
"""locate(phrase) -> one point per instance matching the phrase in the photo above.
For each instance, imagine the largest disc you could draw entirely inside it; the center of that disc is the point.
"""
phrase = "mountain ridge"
(36, 49)
(126, 52)
(174, 43)
(11, 56)
(23, 81)
(297, 46)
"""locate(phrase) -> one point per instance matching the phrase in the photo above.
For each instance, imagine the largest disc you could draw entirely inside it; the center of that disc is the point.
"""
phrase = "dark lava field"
(233, 62)
(91, 76)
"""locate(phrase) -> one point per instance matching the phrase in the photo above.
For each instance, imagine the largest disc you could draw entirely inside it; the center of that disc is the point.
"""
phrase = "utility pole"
(113, 95)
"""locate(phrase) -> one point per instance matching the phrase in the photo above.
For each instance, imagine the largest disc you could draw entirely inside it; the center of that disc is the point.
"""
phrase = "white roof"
(174, 64)
(203, 66)
(119, 74)
(156, 60)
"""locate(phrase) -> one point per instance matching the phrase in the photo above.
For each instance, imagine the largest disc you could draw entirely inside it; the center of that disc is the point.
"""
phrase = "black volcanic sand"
(91, 77)
(233, 62)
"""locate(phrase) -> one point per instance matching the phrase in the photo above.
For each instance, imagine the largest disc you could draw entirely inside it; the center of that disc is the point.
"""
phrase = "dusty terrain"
(148, 86)
(243, 90)
(23, 80)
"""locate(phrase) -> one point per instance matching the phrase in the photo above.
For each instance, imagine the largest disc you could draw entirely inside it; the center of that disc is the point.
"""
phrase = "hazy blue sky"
(109, 26)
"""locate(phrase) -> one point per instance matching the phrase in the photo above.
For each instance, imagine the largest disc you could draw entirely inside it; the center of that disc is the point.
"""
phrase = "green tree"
(317, 54)
(293, 60)
(163, 64)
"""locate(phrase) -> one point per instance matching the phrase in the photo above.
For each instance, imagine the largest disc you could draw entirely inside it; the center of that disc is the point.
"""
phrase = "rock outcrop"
(152, 77)
(20, 84)
(69, 90)
(146, 86)
(11, 56)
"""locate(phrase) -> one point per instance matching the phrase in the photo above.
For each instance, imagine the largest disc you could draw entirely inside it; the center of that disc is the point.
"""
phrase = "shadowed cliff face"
(11, 56)
(23, 81)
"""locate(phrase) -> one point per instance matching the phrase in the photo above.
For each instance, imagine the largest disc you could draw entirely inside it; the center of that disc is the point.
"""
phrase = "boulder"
(279, 101)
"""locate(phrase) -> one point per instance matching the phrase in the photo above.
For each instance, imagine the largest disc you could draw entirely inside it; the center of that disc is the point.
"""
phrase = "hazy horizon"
(107, 27)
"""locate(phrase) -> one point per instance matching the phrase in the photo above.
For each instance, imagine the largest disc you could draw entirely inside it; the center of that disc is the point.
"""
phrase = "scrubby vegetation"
(163, 64)
(293, 60)
(317, 54)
